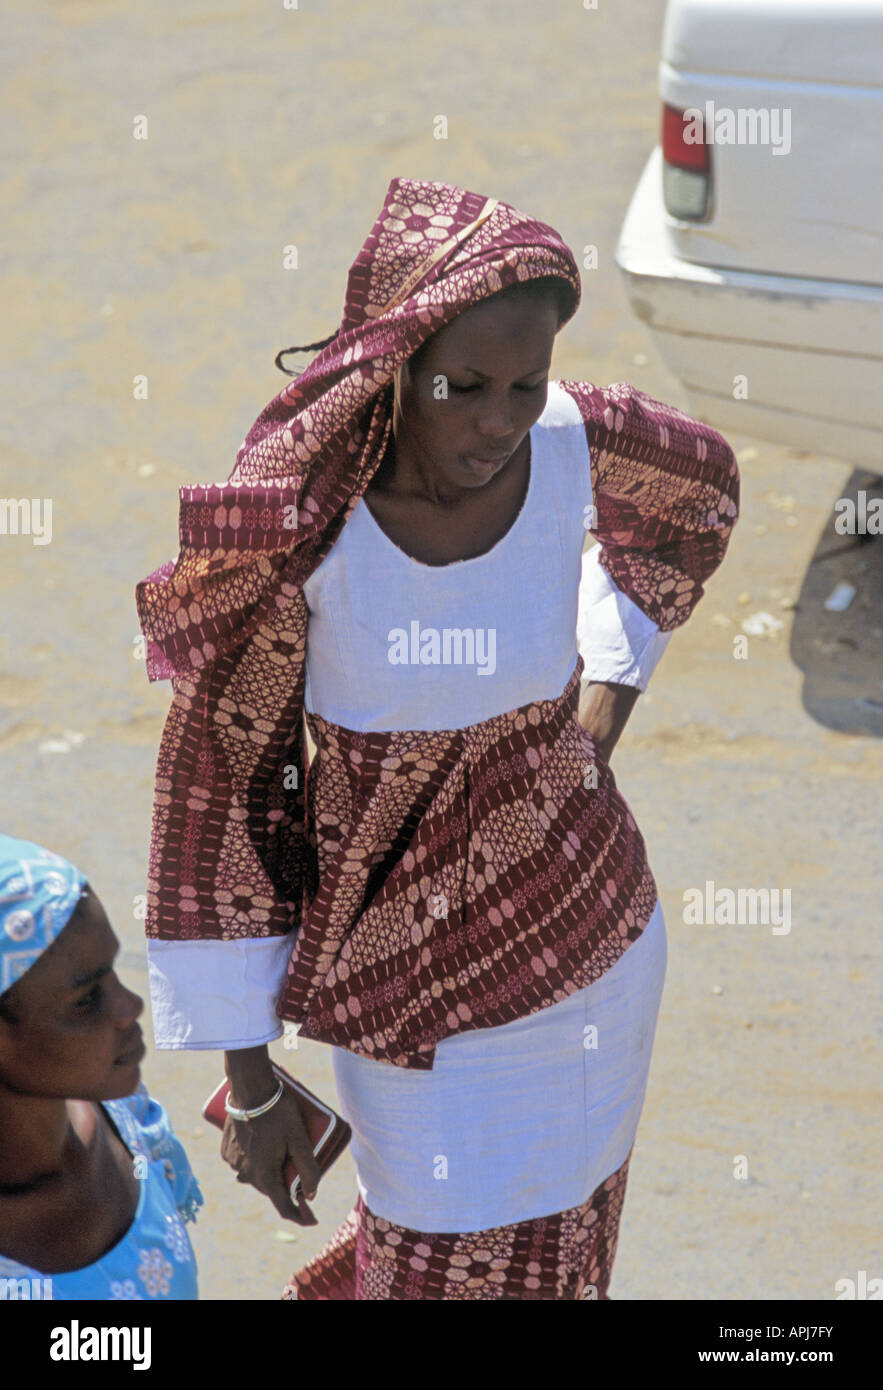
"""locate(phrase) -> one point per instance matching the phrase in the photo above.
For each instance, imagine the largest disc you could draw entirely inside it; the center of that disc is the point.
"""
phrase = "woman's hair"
(306, 347)
(544, 285)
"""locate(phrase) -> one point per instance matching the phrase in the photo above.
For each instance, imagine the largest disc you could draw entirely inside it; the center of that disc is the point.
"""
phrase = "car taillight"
(686, 169)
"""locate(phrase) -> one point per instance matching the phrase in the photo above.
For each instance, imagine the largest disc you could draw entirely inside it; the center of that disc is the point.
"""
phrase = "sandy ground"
(271, 127)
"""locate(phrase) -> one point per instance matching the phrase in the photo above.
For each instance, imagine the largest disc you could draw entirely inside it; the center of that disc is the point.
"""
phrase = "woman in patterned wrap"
(454, 894)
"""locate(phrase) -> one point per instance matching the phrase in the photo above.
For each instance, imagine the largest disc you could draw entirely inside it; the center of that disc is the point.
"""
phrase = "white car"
(753, 245)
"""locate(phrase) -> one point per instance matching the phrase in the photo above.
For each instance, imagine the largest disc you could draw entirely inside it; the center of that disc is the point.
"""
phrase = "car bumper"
(789, 359)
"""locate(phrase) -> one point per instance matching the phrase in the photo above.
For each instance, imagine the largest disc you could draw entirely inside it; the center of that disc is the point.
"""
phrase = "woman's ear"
(8, 1012)
(8, 1020)
(399, 383)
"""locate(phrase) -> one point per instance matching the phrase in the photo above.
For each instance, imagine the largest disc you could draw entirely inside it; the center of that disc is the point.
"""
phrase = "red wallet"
(329, 1132)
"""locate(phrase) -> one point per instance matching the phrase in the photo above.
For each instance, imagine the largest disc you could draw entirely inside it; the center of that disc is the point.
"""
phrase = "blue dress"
(154, 1260)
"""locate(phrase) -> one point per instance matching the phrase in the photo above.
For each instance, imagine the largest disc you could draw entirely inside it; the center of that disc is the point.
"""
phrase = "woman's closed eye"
(476, 386)
(91, 1000)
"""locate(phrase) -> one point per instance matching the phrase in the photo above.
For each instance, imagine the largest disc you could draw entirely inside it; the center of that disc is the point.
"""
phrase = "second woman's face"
(76, 1033)
(470, 396)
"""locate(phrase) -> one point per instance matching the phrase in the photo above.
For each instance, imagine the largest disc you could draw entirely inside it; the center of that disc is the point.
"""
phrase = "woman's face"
(75, 1034)
(474, 390)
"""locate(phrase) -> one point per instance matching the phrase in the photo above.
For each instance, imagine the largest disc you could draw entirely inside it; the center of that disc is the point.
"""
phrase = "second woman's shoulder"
(146, 1127)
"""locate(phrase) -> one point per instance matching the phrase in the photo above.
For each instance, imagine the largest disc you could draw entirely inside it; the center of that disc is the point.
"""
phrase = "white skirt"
(513, 1122)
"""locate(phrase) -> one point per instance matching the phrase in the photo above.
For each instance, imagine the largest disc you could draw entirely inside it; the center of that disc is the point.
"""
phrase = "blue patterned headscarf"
(38, 893)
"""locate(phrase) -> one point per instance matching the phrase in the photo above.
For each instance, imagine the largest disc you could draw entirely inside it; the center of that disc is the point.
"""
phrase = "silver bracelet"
(252, 1114)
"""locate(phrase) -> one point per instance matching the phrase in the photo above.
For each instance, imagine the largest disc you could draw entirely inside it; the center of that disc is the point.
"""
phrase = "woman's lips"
(478, 462)
(134, 1054)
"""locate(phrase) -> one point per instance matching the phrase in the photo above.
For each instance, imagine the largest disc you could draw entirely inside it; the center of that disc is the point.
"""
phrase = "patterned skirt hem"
(565, 1256)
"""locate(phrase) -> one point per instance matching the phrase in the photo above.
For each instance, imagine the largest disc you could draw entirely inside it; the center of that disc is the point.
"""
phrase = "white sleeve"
(616, 640)
(216, 994)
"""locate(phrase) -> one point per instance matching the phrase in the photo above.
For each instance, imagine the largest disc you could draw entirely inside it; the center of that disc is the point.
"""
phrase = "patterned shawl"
(460, 879)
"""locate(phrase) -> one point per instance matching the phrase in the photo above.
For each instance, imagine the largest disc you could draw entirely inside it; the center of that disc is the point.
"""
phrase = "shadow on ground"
(840, 650)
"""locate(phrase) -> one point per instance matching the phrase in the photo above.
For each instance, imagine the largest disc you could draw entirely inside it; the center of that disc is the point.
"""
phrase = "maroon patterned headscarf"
(226, 621)
(433, 251)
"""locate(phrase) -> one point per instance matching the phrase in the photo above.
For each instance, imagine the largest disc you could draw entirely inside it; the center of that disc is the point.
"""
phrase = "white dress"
(526, 1119)
(542, 598)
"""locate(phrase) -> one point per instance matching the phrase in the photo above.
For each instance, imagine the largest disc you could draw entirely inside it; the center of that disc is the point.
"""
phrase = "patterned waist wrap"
(431, 882)
(466, 877)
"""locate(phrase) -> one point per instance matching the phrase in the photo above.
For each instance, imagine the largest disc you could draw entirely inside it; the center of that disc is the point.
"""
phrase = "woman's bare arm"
(604, 710)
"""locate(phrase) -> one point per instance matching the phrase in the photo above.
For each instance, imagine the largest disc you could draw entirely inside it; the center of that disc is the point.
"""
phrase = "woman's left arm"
(620, 647)
(604, 709)
(665, 499)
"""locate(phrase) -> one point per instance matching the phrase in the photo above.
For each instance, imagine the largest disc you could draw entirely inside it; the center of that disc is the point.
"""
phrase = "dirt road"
(162, 257)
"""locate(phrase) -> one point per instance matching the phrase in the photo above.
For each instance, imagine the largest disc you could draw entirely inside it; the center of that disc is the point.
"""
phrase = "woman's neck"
(405, 474)
(40, 1137)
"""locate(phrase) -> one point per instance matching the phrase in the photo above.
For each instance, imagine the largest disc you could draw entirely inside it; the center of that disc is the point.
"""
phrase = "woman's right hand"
(259, 1149)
